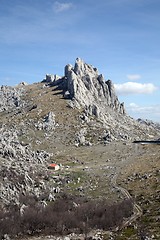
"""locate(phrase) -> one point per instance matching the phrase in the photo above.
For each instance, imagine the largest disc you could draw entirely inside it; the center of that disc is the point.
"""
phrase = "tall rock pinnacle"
(89, 88)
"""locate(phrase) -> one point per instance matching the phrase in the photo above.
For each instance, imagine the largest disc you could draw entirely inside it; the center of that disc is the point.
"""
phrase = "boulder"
(49, 122)
(50, 78)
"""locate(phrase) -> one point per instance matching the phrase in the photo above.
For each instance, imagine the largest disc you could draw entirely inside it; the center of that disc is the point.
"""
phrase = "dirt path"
(137, 211)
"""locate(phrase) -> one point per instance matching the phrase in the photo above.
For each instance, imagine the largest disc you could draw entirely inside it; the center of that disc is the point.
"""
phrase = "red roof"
(52, 165)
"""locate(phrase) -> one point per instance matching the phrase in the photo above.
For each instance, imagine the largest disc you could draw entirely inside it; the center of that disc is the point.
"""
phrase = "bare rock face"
(10, 98)
(20, 166)
(87, 87)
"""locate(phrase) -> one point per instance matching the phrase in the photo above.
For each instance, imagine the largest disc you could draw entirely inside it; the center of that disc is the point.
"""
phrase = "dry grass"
(145, 188)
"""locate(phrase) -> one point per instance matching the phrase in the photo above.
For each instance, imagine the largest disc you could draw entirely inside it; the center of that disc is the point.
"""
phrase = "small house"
(53, 166)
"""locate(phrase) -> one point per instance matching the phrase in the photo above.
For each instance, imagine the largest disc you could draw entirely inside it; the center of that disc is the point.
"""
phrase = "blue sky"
(119, 37)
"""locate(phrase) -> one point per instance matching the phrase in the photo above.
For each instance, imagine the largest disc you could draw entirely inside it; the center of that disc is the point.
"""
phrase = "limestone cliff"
(88, 88)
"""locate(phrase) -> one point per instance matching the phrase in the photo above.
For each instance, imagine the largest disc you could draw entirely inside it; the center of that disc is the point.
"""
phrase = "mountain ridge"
(83, 90)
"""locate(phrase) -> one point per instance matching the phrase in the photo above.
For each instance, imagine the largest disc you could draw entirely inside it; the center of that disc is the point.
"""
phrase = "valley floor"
(106, 172)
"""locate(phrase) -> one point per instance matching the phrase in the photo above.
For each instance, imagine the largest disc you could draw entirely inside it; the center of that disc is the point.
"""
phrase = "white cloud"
(144, 109)
(133, 77)
(135, 88)
(133, 105)
(61, 7)
(151, 112)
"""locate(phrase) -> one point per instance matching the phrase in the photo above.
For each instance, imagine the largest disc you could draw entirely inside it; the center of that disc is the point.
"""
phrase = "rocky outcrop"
(149, 123)
(48, 123)
(10, 98)
(51, 78)
(20, 168)
(88, 88)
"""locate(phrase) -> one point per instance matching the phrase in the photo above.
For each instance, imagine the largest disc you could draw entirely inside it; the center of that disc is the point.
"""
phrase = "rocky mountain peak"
(89, 88)
(82, 68)
(89, 93)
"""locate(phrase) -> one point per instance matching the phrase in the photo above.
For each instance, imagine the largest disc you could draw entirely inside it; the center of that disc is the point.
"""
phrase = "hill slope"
(76, 121)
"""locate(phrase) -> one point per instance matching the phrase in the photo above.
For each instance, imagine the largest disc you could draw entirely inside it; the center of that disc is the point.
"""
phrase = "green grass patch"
(128, 233)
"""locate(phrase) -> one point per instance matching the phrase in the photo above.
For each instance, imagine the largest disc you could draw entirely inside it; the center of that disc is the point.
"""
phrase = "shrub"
(65, 215)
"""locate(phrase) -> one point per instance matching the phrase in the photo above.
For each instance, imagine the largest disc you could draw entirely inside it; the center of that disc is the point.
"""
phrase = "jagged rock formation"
(87, 87)
(89, 91)
(51, 78)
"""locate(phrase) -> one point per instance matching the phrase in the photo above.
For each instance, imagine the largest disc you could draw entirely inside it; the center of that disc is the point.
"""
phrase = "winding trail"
(137, 211)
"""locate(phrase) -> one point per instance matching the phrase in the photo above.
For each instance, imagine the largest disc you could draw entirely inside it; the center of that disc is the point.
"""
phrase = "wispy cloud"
(62, 7)
(135, 88)
(144, 109)
(28, 24)
(133, 77)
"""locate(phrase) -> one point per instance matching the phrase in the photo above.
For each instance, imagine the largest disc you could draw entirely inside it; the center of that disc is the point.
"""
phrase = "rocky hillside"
(80, 108)
(147, 122)
(88, 91)
(10, 98)
(45, 122)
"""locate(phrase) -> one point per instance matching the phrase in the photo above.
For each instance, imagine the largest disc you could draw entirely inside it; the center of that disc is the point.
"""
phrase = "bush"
(67, 214)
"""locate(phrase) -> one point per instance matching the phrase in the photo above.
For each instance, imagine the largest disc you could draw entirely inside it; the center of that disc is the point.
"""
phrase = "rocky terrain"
(149, 123)
(77, 122)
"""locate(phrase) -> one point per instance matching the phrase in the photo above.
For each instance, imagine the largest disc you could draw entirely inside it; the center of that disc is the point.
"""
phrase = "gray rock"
(66, 238)
(50, 78)
(22, 84)
(6, 237)
(80, 137)
(19, 165)
(149, 123)
(49, 123)
(10, 98)
(90, 89)
(66, 95)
